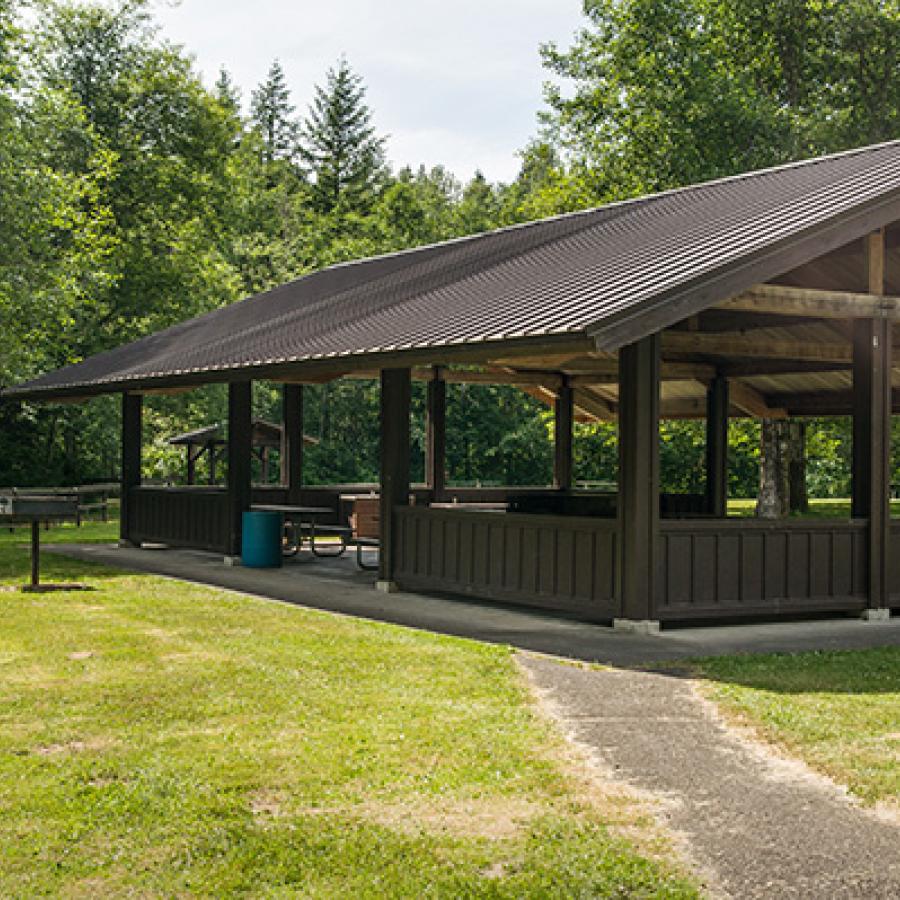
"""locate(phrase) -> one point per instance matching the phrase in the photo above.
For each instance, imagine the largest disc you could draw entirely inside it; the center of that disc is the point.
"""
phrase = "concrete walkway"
(338, 586)
(763, 826)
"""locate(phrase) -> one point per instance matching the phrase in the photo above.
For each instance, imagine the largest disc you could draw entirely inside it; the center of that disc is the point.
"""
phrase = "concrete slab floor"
(336, 585)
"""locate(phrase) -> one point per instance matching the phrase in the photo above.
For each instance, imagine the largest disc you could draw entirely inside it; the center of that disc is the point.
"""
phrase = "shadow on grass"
(819, 672)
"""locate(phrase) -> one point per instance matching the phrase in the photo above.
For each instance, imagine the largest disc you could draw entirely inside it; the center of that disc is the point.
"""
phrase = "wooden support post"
(239, 451)
(395, 403)
(872, 431)
(563, 413)
(191, 462)
(35, 554)
(436, 436)
(717, 447)
(131, 460)
(638, 501)
(292, 440)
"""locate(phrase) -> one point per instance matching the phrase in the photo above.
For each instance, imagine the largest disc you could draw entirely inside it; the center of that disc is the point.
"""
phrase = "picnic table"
(301, 521)
(304, 524)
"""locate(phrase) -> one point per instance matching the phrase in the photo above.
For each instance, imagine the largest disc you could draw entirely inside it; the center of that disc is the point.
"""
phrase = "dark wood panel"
(708, 568)
(739, 567)
(196, 518)
(558, 563)
(893, 564)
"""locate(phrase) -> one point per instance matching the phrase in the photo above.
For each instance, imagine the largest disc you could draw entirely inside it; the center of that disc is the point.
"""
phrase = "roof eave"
(471, 352)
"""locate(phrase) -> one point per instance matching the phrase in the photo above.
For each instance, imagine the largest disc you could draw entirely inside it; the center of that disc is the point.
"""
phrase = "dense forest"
(133, 196)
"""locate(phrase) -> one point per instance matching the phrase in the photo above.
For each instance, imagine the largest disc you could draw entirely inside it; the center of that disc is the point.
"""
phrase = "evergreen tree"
(272, 114)
(479, 209)
(227, 93)
(340, 145)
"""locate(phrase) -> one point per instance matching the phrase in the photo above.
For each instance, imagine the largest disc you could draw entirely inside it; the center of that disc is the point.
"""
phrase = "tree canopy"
(133, 196)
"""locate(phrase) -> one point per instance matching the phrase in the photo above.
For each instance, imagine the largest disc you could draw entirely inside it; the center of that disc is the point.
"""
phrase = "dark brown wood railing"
(755, 567)
(555, 562)
(194, 517)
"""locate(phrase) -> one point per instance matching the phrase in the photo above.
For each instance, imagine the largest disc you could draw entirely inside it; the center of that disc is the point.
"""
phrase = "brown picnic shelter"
(771, 294)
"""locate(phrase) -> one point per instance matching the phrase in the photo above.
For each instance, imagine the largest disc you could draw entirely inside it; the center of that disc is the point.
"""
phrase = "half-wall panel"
(555, 562)
(734, 567)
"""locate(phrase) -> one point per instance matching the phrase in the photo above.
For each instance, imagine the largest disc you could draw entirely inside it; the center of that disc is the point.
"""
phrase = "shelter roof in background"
(610, 275)
(263, 434)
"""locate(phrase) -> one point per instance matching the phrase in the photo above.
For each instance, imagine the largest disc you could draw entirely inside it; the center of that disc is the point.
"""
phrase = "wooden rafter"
(750, 401)
(585, 400)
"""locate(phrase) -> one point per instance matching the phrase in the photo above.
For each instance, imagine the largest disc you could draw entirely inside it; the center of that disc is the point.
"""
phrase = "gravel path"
(761, 825)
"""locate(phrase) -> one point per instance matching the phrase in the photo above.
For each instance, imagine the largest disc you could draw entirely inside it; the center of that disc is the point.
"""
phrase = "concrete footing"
(231, 560)
(636, 626)
(387, 587)
(881, 614)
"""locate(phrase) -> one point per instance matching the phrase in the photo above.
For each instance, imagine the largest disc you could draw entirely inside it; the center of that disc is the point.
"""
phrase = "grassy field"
(840, 711)
(161, 739)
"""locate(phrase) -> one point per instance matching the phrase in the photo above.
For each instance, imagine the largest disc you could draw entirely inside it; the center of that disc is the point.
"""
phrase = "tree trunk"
(782, 469)
(772, 502)
(798, 499)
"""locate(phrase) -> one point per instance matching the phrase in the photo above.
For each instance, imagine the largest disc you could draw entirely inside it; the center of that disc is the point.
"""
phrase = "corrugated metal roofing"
(613, 274)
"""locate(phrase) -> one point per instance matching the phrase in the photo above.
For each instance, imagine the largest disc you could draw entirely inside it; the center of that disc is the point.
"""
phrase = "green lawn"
(163, 739)
(818, 508)
(840, 711)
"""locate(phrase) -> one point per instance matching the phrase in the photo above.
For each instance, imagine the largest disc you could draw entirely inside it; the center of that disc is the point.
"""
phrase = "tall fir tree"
(340, 146)
(272, 113)
(227, 92)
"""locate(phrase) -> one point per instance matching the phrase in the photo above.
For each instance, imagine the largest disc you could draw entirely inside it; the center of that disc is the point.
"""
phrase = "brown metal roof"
(612, 274)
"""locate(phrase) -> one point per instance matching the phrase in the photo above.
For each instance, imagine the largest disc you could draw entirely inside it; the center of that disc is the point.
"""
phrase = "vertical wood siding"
(741, 567)
(561, 563)
(893, 563)
(182, 517)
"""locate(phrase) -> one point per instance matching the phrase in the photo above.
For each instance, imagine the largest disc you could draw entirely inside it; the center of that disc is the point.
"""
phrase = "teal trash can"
(261, 540)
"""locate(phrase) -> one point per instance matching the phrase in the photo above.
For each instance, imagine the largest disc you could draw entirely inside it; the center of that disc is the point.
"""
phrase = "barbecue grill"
(32, 510)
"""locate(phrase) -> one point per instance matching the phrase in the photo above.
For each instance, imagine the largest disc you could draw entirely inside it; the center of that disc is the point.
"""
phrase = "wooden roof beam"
(750, 401)
(683, 408)
(587, 401)
(735, 344)
(669, 371)
(490, 375)
(793, 301)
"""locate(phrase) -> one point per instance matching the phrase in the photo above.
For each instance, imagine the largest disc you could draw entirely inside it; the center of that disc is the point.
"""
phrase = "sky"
(457, 82)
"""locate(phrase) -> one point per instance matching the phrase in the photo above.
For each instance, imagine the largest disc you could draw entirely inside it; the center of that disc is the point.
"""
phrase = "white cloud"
(454, 84)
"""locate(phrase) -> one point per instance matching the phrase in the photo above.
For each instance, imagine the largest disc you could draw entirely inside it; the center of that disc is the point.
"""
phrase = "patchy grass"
(165, 739)
(839, 711)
